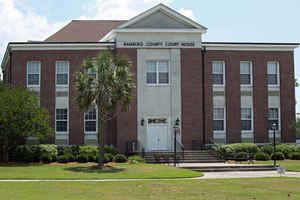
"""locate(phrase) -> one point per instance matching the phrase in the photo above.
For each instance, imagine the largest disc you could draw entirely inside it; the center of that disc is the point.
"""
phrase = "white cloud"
(187, 12)
(119, 9)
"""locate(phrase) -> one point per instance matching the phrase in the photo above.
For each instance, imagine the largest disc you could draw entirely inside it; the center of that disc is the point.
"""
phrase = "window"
(273, 117)
(61, 120)
(33, 73)
(245, 73)
(273, 73)
(62, 73)
(218, 72)
(90, 120)
(246, 117)
(93, 72)
(157, 72)
(218, 123)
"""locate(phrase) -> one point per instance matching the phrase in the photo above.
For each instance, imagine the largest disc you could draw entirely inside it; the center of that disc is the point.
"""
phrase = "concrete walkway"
(207, 175)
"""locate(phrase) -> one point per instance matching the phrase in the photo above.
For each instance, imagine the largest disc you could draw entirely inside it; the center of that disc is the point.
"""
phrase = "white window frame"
(27, 66)
(251, 73)
(68, 118)
(91, 132)
(224, 72)
(252, 118)
(279, 119)
(224, 119)
(56, 73)
(157, 73)
(278, 73)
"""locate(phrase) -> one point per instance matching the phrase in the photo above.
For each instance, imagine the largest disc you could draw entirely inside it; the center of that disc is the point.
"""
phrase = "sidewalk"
(207, 175)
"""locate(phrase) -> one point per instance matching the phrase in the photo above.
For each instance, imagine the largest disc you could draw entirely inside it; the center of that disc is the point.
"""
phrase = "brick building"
(217, 92)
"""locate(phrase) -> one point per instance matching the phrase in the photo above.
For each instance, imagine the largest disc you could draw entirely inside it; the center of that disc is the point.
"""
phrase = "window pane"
(163, 77)
(217, 67)
(245, 79)
(33, 79)
(62, 67)
(163, 66)
(246, 113)
(61, 126)
(90, 126)
(271, 122)
(90, 115)
(218, 113)
(61, 79)
(218, 79)
(33, 67)
(273, 113)
(272, 79)
(272, 68)
(61, 114)
(246, 125)
(218, 125)
(151, 77)
(151, 66)
(244, 68)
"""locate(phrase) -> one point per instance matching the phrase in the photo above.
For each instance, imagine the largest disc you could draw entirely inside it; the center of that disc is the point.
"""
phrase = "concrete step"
(233, 169)
(187, 161)
(224, 168)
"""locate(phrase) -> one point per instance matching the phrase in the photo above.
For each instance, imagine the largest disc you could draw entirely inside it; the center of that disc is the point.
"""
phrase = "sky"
(226, 20)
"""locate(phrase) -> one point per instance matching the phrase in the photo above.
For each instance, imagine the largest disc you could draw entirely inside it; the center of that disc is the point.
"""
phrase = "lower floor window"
(61, 120)
(218, 123)
(90, 120)
(273, 118)
(246, 118)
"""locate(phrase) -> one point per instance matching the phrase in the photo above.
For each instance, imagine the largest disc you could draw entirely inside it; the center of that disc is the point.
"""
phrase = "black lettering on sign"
(171, 44)
(133, 44)
(154, 44)
(188, 44)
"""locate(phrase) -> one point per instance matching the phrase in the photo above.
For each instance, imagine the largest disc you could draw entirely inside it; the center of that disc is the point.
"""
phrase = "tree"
(104, 82)
(20, 117)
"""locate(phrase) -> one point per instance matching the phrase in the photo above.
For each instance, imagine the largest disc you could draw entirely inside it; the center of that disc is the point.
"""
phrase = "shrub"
(241, 156)
(119, 158)
(111, 150)
(136, 159)
(262, 156)
(46, 158)
(109, 157)
(48, 149)
(277, 156)
(286, 149)
(70, 157)
(62, 159)
(295, 156)
(83, 158)
(245, 147)
(267, 149)
(298, 149)
(88, 150)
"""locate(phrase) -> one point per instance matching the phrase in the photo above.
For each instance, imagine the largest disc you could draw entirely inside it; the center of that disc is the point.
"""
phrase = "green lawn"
(290, 165)
(85, 171)
(219, 189)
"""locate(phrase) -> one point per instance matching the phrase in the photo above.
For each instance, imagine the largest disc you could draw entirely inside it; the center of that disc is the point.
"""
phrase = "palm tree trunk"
(101, 144)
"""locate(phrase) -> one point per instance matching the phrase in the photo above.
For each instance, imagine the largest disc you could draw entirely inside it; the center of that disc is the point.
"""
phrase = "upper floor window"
(218, 68)
(219, 119)
(61, 120)
(246, 118)
(157, 72)
(273, 117)
(273, 73)
(62, 73)
(90, 120)
(245, 73)
(33, 73)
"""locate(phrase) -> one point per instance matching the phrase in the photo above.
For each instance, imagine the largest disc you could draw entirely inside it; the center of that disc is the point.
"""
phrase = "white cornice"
(251, 47)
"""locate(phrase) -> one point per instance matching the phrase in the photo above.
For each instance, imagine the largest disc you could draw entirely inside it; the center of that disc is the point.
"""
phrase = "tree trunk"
(101, 143)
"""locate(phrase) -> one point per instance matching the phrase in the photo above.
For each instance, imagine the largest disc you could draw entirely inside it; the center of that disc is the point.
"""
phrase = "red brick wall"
(127, 121)
(191, 100)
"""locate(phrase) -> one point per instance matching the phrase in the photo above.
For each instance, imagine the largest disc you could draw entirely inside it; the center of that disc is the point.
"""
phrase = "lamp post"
(176, 127)
(274, 142)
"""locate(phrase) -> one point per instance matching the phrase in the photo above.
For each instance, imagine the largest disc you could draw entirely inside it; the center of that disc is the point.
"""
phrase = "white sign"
(158, 44)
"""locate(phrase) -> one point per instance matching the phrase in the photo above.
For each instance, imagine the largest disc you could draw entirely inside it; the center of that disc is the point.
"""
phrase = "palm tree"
(106, 83)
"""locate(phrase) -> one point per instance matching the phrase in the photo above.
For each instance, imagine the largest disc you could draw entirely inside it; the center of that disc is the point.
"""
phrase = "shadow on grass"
(93, 169)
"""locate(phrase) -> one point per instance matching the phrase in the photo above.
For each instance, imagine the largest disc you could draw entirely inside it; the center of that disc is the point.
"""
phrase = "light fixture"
(142, 122)
(177, 122)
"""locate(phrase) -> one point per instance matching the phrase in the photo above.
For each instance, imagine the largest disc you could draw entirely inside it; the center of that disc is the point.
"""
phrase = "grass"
(231, 189)
(87, 171)
(289, 165)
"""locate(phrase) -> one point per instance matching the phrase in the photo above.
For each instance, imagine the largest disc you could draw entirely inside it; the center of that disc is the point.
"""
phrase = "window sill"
(158, 85)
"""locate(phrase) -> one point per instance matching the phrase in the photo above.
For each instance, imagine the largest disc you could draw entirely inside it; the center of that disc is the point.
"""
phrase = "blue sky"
(230, 20)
